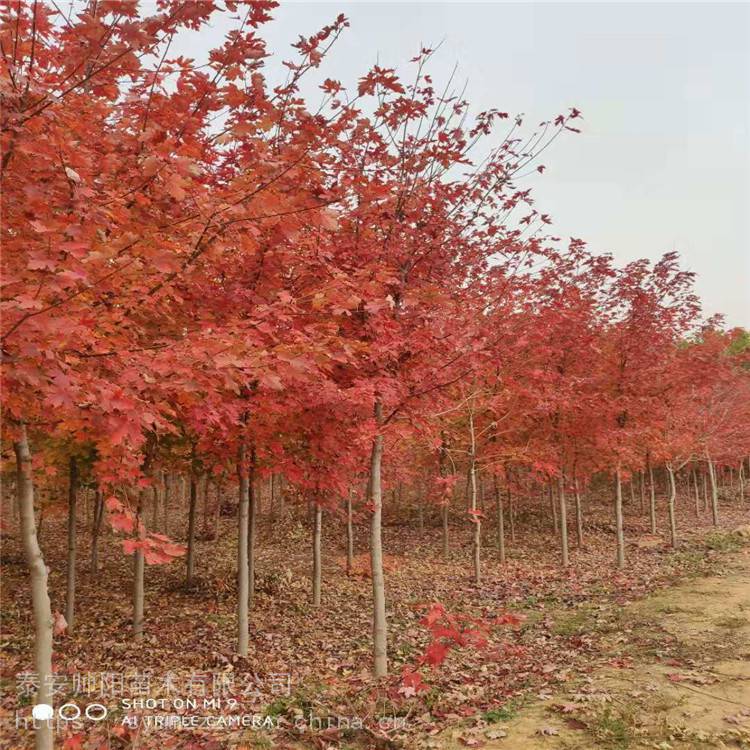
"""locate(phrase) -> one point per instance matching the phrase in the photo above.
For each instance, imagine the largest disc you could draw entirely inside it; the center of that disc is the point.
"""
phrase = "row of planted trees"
(203, 274)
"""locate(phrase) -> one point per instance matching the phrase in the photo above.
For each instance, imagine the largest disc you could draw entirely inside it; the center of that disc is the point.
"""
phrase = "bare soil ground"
(678, 677)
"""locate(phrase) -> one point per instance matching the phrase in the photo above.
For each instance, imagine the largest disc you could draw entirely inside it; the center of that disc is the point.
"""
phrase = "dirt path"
(679, 677)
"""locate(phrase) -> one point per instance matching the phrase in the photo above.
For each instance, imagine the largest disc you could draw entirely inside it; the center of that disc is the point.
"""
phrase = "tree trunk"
(243, 632)
(670, 507)
(271, 502)
(705, 491)
(139, 565)
(252, 519)
(190, 572)
(349, 535)
(446, 545)
(41, 523)
(217, 507)
(579, 516)
(642, 500)
(475, 517)
(167, 489)
(40, 603)
(652, 498)
(96, 529)
(206, 487)
(379, 625)
(563, 521)
(500, 521)
(70, 595)
(258, 496)
(741, 477)
(155, 508)
(317, 528)
(553, 507)
(618, 518)
(697, 494)
(714, 491)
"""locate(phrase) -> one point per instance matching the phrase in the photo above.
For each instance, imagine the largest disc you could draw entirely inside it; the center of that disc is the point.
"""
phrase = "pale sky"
(663, 162)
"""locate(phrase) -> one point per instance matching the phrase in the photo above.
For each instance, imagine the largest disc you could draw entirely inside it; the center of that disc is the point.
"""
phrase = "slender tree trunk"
(446, 546)
(16, 505)
(41, 523)
(670, 507)
(553, 506)
(652, 498)
(563, 521)
(271, 502)
(252, 522)
(40, 603)
(258, 497)
(167, 481)
(206, 485)
(243, 630)
(618, 518)
(349, 535)
(579, 516)
(317, 528)
(70, 596)
(190, 573)
(500, 521)
(96, 530)
(475, 517)
(705, 491)
(511, 514)
(379, 625)
(217, 507)
(155, 508)
(741, 479)
(714, 491)
(139, 566)
(642, 501)
(446, 498)
(697, 494)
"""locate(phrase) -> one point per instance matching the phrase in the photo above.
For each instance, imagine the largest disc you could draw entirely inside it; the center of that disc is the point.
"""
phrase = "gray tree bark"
(563, 521)
(579, 515)
(190, 563)
(618, 518)
(317, 575)
(652, 498)
(70, 589)
(252, 522)
(349, 535)
(139, 566)
(500, 521)
(96, 530)
(243, 631)
(379, 624)
(40, 603)
(714, 491)
(670, 507)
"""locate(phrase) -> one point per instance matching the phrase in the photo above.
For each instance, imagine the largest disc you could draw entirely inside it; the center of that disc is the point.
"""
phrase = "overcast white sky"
(663, 162)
